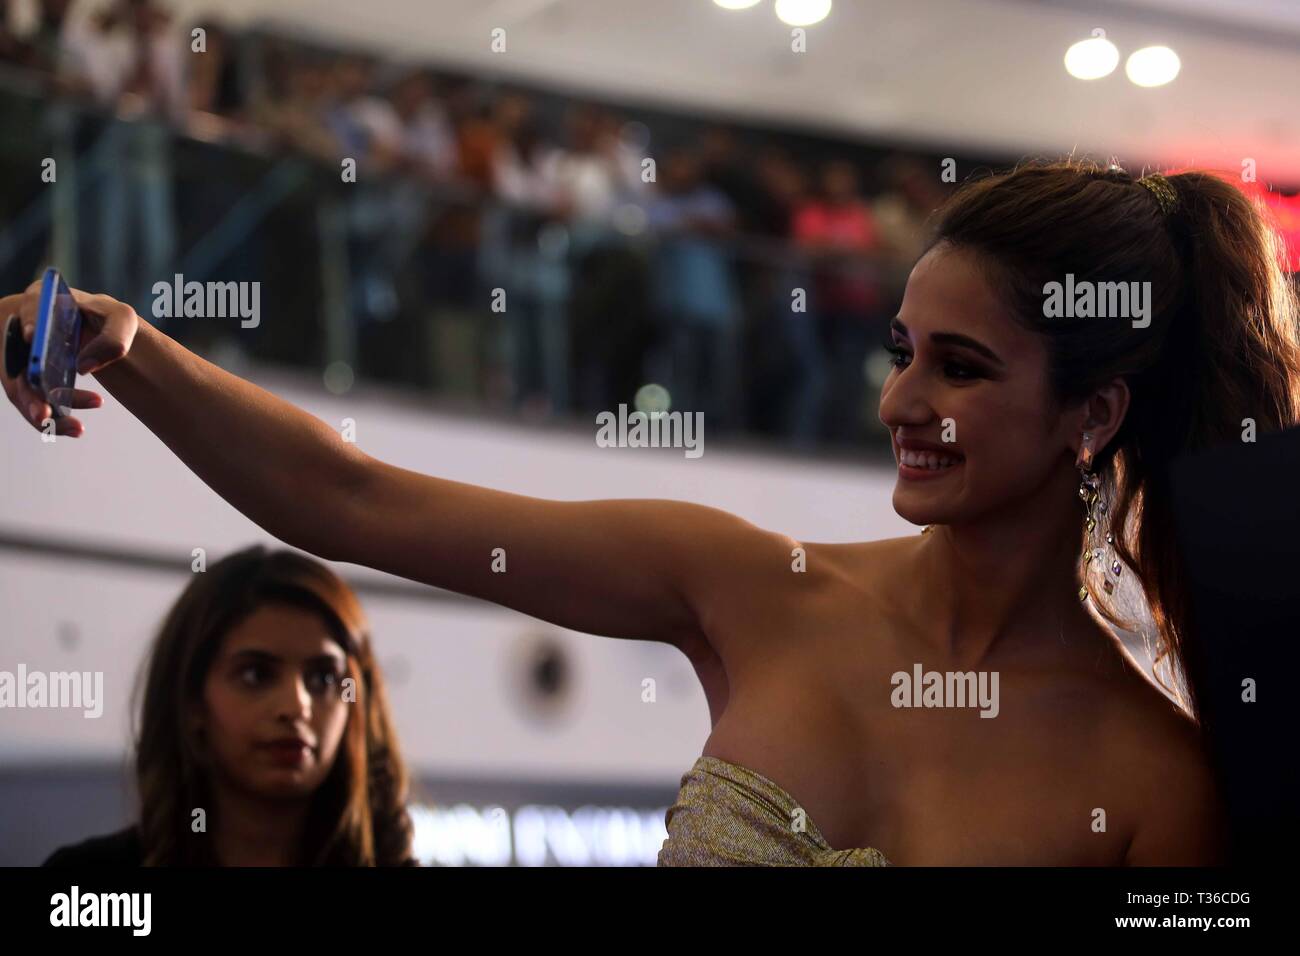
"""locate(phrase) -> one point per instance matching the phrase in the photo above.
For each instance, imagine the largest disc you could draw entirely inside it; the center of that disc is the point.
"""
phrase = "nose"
(294, 700)
(904, 400)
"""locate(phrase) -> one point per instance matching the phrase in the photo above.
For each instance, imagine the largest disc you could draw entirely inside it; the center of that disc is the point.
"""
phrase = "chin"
(909, 506)
(287, 783)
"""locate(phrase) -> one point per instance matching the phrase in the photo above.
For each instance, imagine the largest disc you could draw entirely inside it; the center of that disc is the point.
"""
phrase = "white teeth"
(927, 459)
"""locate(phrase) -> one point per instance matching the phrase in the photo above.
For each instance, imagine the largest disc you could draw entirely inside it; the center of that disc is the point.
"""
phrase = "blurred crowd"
(752, 273)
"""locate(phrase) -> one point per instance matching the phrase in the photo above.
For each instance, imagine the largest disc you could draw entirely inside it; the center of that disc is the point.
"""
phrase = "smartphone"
(52, 366)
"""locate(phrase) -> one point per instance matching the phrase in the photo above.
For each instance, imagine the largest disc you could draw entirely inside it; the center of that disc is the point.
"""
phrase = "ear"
(1101, 414)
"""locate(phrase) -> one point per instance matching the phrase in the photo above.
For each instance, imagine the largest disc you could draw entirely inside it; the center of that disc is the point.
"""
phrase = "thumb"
(98, 352)
(117, 323)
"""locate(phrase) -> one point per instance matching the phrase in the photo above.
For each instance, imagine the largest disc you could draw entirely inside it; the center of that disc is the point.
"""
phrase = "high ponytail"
(1221, 350)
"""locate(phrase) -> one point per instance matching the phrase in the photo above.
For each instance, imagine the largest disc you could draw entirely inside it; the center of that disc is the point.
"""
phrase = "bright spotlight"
(1091, 59)
(735, 4)
(1152, 66)
(802, 13)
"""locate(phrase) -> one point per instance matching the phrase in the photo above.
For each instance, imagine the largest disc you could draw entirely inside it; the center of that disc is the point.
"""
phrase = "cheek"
(1003, 439)
(229, 720)
(329, 721)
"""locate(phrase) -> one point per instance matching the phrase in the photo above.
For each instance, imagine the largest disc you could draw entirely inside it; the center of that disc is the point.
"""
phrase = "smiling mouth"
(927, 460)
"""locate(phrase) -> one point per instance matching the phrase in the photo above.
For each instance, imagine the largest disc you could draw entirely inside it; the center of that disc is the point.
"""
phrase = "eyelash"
(331, 676)
(967, 372)
(257, 670)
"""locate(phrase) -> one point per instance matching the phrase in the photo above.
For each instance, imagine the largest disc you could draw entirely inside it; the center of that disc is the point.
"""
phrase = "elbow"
(331, 528)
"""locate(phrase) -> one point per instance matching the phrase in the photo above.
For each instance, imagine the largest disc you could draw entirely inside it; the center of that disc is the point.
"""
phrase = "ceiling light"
(1152, 66)
(802, 13)
(1092, 59)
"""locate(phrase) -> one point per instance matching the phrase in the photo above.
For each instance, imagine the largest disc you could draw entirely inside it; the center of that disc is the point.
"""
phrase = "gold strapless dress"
(729, 815)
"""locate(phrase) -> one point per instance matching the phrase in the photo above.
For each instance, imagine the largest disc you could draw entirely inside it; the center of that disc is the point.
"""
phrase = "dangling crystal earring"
(1092, 506)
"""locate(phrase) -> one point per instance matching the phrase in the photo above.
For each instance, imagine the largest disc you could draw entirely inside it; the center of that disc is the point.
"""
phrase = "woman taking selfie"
(264, 737)
(1000, 417)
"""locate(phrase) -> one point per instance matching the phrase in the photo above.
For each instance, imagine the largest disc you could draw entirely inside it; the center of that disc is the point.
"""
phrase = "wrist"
(141, 350)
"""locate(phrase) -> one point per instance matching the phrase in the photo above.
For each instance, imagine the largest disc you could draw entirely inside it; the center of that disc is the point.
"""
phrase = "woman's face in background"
(273, 713)
(996, 396)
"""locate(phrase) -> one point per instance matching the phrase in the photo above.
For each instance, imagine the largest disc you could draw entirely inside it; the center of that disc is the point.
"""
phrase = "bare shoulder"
(759, 587)
(754, 556)
(864, 563)
(736, 572)
(1158, 752)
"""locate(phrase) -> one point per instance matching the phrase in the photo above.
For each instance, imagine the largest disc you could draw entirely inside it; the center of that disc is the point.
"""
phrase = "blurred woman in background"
(265, 737)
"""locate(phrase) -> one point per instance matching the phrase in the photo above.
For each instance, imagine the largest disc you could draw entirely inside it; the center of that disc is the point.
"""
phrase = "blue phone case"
(52, 367)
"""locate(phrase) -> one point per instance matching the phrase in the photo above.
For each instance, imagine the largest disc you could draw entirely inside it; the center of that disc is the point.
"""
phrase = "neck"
(1007, 580)
(251, 831)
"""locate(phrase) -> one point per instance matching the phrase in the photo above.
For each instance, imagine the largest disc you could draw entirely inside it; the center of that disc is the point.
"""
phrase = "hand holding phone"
(43, 332)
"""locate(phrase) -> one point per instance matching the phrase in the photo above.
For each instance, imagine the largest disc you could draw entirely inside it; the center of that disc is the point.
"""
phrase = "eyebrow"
(267, 657)
(951, 338)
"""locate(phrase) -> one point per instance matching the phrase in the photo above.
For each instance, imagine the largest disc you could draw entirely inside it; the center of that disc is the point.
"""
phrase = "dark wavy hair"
(1223, 344)
(358, 815)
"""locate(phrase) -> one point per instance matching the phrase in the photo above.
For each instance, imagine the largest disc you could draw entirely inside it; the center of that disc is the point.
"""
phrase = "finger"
(11, 303)
(38, 410)
(24, 306)
(80, 398)
(116, 332)
(24, 394)
(67, 425)
(100, 351)
(41, 415)
(32, 404)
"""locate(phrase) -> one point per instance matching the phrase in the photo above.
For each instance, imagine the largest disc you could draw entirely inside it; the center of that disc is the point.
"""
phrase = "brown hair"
(358, 815)
(1223, 342)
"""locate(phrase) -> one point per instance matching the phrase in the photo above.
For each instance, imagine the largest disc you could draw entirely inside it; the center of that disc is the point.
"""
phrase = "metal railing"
(395, 280)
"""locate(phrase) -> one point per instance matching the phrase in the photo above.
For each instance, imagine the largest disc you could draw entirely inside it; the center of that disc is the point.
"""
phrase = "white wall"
(120, 486)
